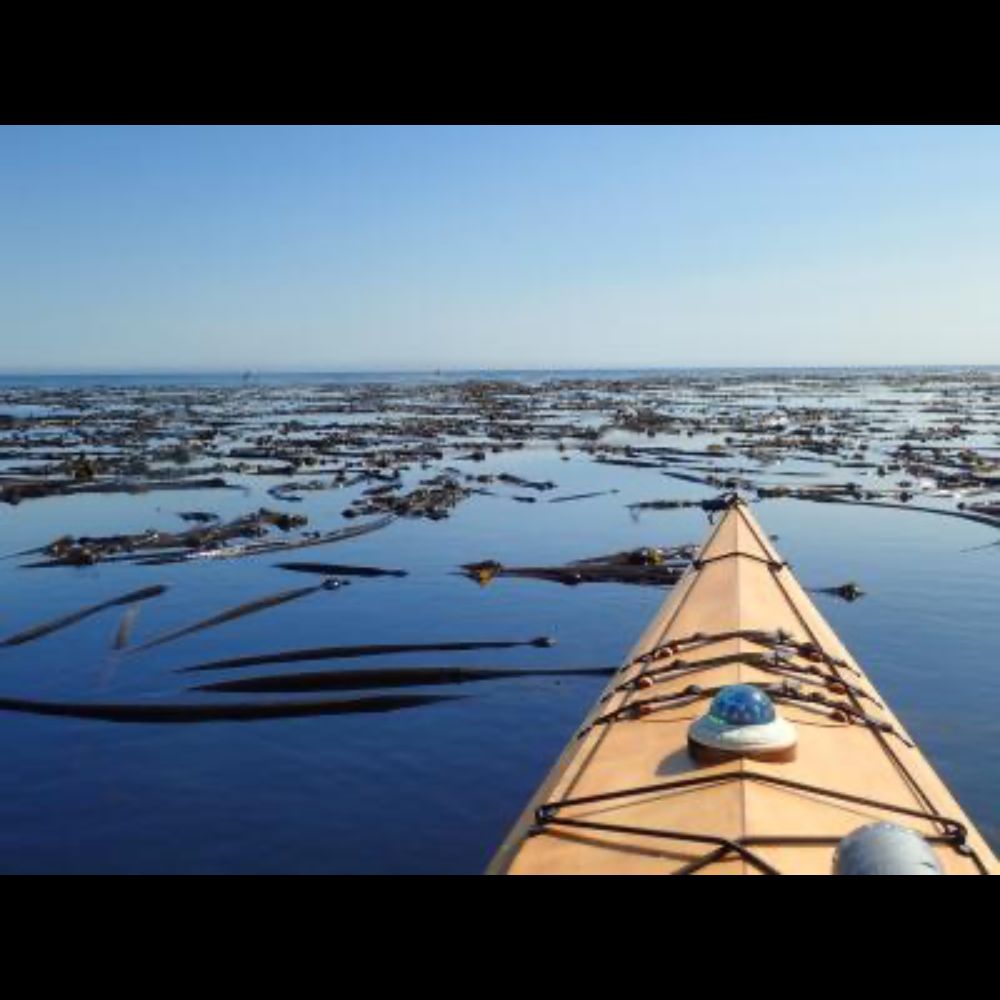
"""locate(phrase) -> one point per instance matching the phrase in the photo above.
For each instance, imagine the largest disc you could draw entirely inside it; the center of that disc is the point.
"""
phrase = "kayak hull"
(628, 795)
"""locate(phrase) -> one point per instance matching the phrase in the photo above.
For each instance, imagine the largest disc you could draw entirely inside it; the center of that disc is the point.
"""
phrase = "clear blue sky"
(124, 249)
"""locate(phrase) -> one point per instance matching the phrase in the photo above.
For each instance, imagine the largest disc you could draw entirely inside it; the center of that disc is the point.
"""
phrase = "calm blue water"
(432, 789)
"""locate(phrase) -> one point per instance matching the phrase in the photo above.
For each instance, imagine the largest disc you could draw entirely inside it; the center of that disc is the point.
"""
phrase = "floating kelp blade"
(849, 592)
(241, 611)
(583, 496)
(236, 712)
(346, 652)
(14, 492)
(338, 569)
(817, 497)
(345, 680)
(483, 572)
(198, 516)
(71, 619)
(670, 505)
(124, 631)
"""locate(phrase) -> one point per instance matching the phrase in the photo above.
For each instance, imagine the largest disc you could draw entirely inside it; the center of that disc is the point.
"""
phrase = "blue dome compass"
(742, 722)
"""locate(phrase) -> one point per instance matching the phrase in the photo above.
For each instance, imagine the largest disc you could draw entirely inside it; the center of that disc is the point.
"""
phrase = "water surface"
(435, 789)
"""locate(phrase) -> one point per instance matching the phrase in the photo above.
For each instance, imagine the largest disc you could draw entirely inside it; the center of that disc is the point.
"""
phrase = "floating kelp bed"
(136, 439)
(158, 548)
(419, 453)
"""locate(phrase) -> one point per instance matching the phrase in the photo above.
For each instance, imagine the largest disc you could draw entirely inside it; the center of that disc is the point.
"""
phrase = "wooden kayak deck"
(627, 797)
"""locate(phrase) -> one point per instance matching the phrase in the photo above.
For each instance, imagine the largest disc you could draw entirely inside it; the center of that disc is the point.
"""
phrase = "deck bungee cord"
(776, 664)
(816, 778)
(953, 832)
(840, 712)
(779, 640)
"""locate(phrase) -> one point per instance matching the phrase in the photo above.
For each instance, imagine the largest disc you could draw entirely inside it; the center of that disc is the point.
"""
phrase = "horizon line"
(439, 370)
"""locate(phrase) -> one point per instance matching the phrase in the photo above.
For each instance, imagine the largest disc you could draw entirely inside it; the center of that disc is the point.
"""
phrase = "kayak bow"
(741, 738)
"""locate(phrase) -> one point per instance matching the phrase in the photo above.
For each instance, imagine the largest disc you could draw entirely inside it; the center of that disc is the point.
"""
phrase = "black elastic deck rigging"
(954, 832)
